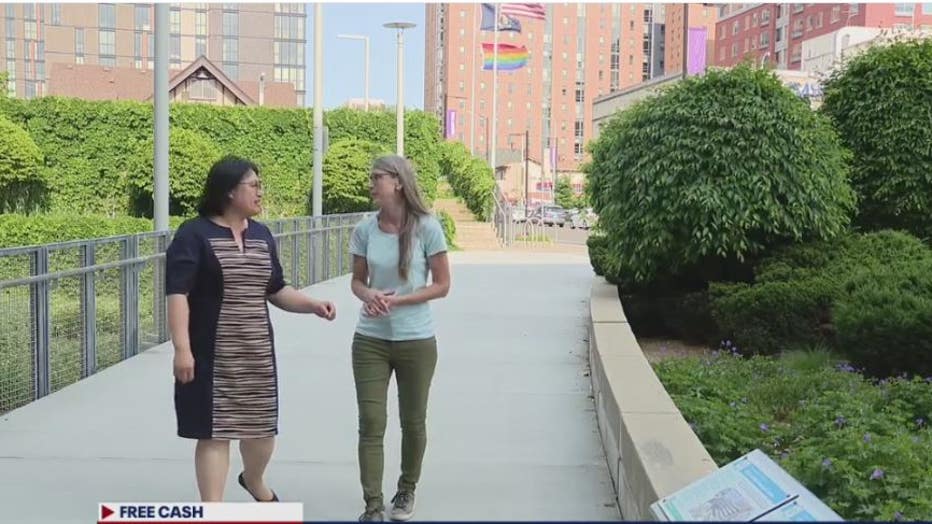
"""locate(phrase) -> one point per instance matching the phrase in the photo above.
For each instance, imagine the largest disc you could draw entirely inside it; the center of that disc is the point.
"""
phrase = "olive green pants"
(413, 362)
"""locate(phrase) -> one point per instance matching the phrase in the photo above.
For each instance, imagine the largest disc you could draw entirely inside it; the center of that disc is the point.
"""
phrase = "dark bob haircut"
(223, 178)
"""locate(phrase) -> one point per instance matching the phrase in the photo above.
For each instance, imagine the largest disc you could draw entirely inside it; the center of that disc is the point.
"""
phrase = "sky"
(344, 60)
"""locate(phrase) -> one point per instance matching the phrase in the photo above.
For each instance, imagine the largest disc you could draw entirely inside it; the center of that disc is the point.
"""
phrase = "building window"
(55, 14)
(79, 45)
(142, 18)
(202, 90)
(765, 16)
(904, 9)
(107, 16)
(230, 24)
(200, 46)
(200, 23)
(765, 39)
(174, 21)
(799, 8)
(107, 49)
(836, 14)
(231, 50)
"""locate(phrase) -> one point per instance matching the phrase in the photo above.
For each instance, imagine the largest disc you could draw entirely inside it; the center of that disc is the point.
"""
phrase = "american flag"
(535, 11)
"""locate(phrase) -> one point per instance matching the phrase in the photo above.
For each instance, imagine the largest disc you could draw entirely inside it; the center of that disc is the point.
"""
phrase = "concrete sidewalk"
(512, 432)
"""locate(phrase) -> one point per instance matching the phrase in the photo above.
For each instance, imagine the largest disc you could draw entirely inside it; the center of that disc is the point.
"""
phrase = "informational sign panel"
(752, 488)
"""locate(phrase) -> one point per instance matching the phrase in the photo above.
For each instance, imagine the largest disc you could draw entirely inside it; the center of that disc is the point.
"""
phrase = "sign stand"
(752, 488)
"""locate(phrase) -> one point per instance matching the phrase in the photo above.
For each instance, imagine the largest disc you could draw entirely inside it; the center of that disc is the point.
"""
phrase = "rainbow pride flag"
(510, 57)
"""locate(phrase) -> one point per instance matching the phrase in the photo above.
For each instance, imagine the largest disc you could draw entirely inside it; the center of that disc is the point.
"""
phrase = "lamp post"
(400, 105)
(365, 76)
(527, 173)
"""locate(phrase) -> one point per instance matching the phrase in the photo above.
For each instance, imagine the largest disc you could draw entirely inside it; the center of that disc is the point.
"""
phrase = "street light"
(365, 76)
(400, 106)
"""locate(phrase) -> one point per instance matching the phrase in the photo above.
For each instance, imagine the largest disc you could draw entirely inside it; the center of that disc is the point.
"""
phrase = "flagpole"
(473, 73)
(495, 91)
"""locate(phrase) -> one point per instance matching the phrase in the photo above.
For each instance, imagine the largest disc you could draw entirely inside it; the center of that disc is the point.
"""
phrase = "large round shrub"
(22, 184)
(720, 166)
(346, 175)
(881, 105)
(190, 156)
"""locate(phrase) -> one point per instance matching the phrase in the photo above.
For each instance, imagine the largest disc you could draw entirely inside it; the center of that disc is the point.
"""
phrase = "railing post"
(160, 301)
(340, 243)
(129, 291)
(311, 246)
(295, 256)
(89, 310)
(326, 250)
(42, 323)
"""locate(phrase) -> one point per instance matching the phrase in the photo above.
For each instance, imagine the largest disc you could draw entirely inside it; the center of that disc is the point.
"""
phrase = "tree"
(718, 167)
(346, 175)
(22, 184)
(881, 105)
(190, 157)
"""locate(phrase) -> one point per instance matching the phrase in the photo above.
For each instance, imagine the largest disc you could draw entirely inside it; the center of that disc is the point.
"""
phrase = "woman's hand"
(324, 309)
(378, 303)
(184, 365)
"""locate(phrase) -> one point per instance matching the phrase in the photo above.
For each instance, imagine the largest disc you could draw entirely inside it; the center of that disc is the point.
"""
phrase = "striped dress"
(234, 394)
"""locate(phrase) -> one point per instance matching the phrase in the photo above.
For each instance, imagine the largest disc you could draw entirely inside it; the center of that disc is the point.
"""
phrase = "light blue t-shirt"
(412, 322)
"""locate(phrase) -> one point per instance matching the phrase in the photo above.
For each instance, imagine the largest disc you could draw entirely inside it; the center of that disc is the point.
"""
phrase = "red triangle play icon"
(105, 512)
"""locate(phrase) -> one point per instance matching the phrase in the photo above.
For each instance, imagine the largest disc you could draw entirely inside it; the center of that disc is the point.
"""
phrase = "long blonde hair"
(414, 205)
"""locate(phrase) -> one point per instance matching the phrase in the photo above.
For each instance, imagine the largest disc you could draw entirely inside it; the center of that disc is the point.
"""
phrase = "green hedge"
(422, 139)
(471, 179)
(190, 157)
(867, 295)
(449, 228)
(22, 181)
(346, 175)
(89, 149)
(21, 230)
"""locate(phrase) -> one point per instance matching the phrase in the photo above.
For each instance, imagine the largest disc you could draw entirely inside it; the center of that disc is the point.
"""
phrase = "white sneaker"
(402, 506)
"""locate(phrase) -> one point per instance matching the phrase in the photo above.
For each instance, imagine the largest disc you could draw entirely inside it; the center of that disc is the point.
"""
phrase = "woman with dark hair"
(222, 268)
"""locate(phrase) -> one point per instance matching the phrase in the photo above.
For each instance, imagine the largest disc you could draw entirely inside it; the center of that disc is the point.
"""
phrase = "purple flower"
(765, 428)
(929, 379)
(897, 516)
(827, 463)
(784, 455)
(744, 400)
(727, 343)
(877, 474)
(846, 367)
(867, 437)
(840, 422)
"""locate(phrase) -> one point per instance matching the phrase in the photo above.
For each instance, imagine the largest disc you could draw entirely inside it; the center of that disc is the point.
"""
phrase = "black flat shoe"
(242, 482)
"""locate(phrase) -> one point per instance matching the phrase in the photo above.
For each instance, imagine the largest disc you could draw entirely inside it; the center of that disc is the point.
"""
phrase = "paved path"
(512, 430)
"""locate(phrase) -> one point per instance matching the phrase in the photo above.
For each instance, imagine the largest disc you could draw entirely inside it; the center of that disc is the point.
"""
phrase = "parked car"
(518, 214)
(582, 218)
(549, 215)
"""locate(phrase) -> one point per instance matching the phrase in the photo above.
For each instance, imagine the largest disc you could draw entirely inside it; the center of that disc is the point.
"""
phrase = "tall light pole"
(160, 188)
(400, 103)
(365, 75)
(317, 202)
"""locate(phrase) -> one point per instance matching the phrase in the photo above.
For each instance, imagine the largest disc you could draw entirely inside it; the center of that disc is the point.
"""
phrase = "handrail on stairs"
(501, 218)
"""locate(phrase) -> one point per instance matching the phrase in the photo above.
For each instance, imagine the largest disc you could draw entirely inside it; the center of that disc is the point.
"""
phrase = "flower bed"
(863, 446)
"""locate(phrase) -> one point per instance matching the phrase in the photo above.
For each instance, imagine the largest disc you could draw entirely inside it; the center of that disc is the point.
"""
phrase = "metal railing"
(71, 309)
(517, 231)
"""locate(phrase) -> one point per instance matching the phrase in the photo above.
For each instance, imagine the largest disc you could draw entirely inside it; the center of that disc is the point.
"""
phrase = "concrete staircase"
(471, 235)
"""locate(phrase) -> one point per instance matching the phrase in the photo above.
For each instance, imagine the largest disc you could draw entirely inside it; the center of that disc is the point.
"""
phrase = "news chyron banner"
(206, 513)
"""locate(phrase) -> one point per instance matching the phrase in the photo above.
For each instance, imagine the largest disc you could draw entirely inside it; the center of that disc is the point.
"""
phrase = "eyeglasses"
(255, 184)
(379, 174)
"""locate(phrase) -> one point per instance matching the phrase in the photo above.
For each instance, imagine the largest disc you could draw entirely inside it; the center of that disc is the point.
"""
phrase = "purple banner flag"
(697, 51)
(451, 123)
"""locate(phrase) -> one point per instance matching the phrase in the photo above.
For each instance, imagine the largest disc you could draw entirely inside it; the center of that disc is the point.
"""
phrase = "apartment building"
(249, 42)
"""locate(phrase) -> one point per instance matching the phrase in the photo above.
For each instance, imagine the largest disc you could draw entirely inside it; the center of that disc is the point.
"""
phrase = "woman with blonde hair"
(393, 252)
